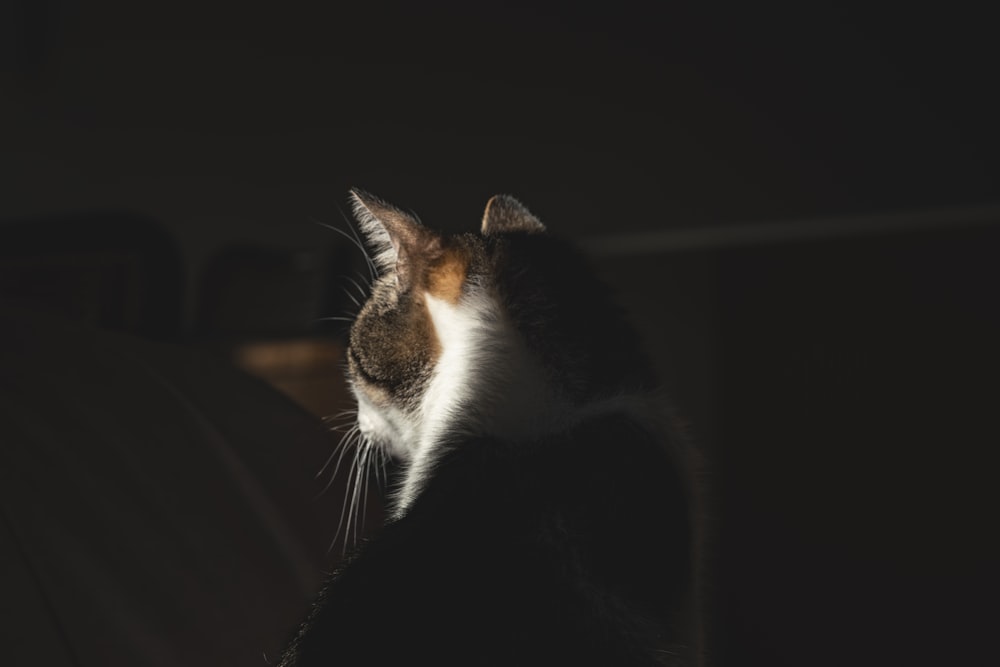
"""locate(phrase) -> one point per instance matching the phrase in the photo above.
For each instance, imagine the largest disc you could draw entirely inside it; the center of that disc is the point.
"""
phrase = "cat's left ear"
(505, 214)
(397, 238)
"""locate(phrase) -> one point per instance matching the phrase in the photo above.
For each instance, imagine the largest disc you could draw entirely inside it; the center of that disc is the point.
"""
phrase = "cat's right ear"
(397, 238)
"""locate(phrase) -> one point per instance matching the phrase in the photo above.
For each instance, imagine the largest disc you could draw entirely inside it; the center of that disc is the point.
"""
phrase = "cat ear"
(397, 238)
(505, 214)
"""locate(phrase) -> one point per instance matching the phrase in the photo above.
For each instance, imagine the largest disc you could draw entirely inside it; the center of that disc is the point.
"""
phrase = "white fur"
(388, 427)
(485, 382)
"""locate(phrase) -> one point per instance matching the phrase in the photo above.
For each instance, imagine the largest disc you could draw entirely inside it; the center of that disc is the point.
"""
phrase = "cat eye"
(360, 368)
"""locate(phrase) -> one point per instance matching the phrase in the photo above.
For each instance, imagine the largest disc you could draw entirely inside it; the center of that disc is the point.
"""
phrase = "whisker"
(329, 459)
(365, 283)
(349, 424)
(351, 438)
(351, 297)
(343, 509)
(361, 290)
(341, 428)
(376, 469)
(364, 493)
(349, 499)
(349, 237)
(339, 420)
(383, 462)
(358, 472)
(355, 239)
(348, 441)
(372, 269)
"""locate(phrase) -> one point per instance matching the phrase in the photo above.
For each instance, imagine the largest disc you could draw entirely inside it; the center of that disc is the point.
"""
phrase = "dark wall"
(856, 444)
(841, 392)
(239, 116)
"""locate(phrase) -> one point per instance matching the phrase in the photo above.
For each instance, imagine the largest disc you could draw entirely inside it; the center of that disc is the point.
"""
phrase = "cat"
(545, 510)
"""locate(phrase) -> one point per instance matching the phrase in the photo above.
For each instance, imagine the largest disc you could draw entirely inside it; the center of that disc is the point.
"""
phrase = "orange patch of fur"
(448, 275)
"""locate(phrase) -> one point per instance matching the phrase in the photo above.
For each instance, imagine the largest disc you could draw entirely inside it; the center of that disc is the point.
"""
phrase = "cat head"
(494, 332)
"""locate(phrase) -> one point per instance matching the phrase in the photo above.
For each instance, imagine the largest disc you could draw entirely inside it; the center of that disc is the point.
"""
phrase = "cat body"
(544, 515)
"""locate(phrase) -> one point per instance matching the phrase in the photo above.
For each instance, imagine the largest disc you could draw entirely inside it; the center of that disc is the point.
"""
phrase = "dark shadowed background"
(800, 206)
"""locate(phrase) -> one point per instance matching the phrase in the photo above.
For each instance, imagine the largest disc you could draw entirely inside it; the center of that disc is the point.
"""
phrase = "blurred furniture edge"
(261, 308)
(116, 270)
(157, 506)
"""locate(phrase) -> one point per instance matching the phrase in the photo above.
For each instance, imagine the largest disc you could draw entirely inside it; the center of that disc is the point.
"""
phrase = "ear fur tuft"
(397, 238)
(366, 208)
